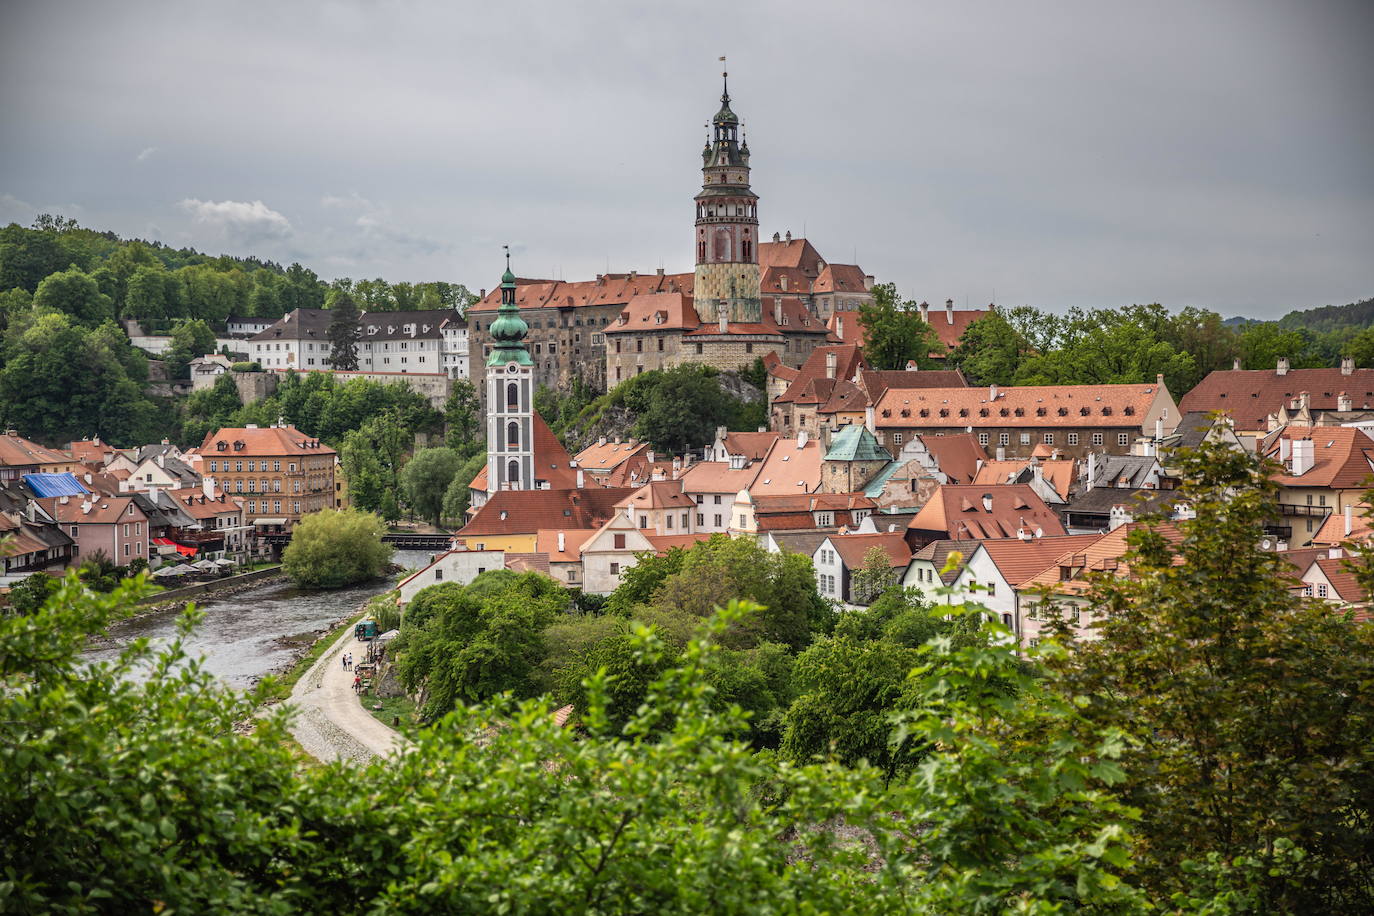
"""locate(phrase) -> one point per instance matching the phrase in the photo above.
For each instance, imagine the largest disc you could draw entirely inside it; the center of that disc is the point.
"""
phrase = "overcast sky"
(1051, 153)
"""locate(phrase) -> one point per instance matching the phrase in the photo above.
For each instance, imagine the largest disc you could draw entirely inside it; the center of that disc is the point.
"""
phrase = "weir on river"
(256, 632)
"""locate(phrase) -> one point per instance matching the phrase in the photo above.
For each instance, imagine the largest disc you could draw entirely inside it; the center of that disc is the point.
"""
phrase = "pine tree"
(343, 333)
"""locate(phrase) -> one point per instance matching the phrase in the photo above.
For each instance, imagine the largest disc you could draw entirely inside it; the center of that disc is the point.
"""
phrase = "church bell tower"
(510, 397)
(727, 227)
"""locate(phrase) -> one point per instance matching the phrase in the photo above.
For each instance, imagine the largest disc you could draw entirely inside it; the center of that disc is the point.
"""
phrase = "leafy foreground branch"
(125, 795)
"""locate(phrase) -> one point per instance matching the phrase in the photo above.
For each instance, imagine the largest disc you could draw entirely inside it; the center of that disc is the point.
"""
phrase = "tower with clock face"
(510, 397)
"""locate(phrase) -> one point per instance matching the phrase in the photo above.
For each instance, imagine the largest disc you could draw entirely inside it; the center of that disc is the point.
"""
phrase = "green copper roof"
(855, 443)
(509, 329)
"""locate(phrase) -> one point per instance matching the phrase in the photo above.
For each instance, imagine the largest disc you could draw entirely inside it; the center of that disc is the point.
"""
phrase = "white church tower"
(510, 397)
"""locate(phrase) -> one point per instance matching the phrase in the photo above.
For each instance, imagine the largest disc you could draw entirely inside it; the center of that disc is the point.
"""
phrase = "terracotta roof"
(718, 477)
(774, 364)
(606, 456)
(656, 312)
(852, 548)
(546, 542)
(845, 326)
(950, 325)
(552, 462)
(1332, 530)
(811, 502)
(985, 512)
(1343, 457)
(1059, 472)
(809, 386)
(16, 451)
(666, 542)
(845, 397)
(527, 562)
(1251, 395)
(609, 289)
(104, 510)
(1019, 561)
(276, 441)
(789, 469)
(1102, 555)
(91, 451)
(798, 253)
(753, 446)
(797, 319)
(877, 381)
(956, 454)
(843, 278)
(658, 494)
(1026, 405)
(195, 503)
(1344, 581)
(530, 511)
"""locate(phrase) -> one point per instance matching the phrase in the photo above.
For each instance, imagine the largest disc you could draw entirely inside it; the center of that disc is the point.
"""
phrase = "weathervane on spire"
(725, 82)
(507, 247)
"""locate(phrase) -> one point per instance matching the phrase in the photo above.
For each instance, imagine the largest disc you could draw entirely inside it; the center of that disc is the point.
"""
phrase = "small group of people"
(347, 661)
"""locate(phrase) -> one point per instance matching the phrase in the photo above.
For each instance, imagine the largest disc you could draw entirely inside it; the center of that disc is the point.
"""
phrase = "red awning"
(180, 548)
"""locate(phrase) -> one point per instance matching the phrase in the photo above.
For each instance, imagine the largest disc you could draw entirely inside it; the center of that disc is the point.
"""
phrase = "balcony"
(1300, 511)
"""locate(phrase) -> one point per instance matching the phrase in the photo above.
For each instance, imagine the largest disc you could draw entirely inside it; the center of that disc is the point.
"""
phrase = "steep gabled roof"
(805, 388)
(608, 455)
(1058, 472)
(718, 477)
(272, 441)
(853, 548)
(1343, 457)
(1251, 395)
(791, 467)
(956, 454)
(1106, 554)
(658, 494)
(855, 443)
(1019, 560)
(1332, 531)
(1345, 582)
(753, 446)
(876, 382)
(298, 324)
(938, 551)
(16, 451)
(529, 511)
(986, 512)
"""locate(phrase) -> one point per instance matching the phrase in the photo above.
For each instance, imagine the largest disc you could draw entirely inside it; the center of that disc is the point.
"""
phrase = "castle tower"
(727, 230)
(510, 397)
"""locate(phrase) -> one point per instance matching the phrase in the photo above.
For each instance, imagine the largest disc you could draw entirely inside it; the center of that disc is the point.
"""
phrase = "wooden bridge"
(431, 542)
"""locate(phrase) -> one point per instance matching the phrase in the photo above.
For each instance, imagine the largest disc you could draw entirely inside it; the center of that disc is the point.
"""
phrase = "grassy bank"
(391, 709)
(282, 684)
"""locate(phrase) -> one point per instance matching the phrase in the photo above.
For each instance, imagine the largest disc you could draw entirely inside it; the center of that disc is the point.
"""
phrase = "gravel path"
(330, 722)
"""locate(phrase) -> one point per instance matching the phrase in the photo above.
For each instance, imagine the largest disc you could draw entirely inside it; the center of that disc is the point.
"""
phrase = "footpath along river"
(256, 632)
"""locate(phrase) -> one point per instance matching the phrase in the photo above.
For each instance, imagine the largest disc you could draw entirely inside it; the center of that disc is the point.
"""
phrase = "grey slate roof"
(1099, 501)
(803, 542)
(938, 553)
(298, 324)
(1123, 472)
(424, 324)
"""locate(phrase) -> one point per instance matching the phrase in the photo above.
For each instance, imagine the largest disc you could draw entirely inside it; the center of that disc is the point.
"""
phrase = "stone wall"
(254, 386)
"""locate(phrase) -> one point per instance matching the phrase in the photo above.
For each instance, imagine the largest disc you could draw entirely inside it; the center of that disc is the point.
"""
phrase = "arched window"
(513, 434)
(701, 251)
(745, 246)
(723, 245)
(512, 396)
(513, 473)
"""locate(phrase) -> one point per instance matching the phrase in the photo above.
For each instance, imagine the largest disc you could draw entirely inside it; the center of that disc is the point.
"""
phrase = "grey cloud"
(243, 220)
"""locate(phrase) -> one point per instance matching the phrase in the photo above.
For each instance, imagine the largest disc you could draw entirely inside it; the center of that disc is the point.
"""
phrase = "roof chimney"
(868, 281)
(562, 542)
(949, 310)
(1347, 366)
(1282, 368)
(1235, 364)
(1303, 456)
(207, 487)
(581, 478)
(777, 237)
(1001, 453)
(789, 235)
(830, 361)
(724, 321)
(987, 502)
(777, 310)
(1349, 520)
(839, 326)
(801, 439)
(992, 392)
(925, 312)
(1343, 401)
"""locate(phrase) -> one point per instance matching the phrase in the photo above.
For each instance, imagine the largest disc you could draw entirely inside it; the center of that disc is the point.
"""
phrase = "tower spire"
(724, 82)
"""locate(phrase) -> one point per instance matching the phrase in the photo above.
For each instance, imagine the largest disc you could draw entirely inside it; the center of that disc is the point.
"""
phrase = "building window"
(896, 438)
(717, 520)
(717, 499)
(276, 505)
(660, 344)
(619, 541)
(512, 396)
(983, 438)
(1123, 439)
(701, 519)
(438, 575)
(639, 344)
(1004, 438)
(1097, 438)
(1073, 438)
(252, 505)
(513, 435)
(1025, 438)
(741, 521)
(698, 349)
(644, 521)
(1049, 438)
(1321, 590)
(615, 569)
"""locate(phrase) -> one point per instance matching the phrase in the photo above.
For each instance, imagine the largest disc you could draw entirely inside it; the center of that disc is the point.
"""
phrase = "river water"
(258, 631)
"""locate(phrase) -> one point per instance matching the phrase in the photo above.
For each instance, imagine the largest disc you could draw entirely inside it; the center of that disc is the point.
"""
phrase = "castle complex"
(745, 299)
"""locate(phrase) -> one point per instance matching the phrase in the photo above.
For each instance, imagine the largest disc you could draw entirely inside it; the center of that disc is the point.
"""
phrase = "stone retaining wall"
(173, 595)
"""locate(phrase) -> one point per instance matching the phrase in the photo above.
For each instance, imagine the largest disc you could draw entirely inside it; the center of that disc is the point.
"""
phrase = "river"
(258, 631)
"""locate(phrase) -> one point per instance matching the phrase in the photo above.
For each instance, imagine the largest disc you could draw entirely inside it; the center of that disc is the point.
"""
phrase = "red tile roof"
(1344, 581)
(805, 388)
(658, 494)
(985, 512)
(271, 440)
(1343, 457)
(878, 381)
(666, 542)
(1332, 531)
(530, 511)
(1106, 554)
(1059, 472)
(842, 278)
(753, 446)
(552, 462)
(1026, 405)
(853, 548)
(16, 451)
(610, 289)
(1019, 560)
(791, 467)
(950, 325)
(956, 454)
(718, 477)
(1251, 395)
(606, 456)
(546, 542)
(845, 326)
(103, 510)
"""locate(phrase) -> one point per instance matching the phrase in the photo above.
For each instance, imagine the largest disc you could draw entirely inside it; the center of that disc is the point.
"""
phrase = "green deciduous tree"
(426, 478)
(74, 294)
(333, 548)
(682, 410)
(1250, 708)
(894, 331)
(461, 417)
(190, 339)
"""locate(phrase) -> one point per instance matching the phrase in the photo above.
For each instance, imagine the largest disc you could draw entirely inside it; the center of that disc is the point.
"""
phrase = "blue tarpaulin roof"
(64, 484)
